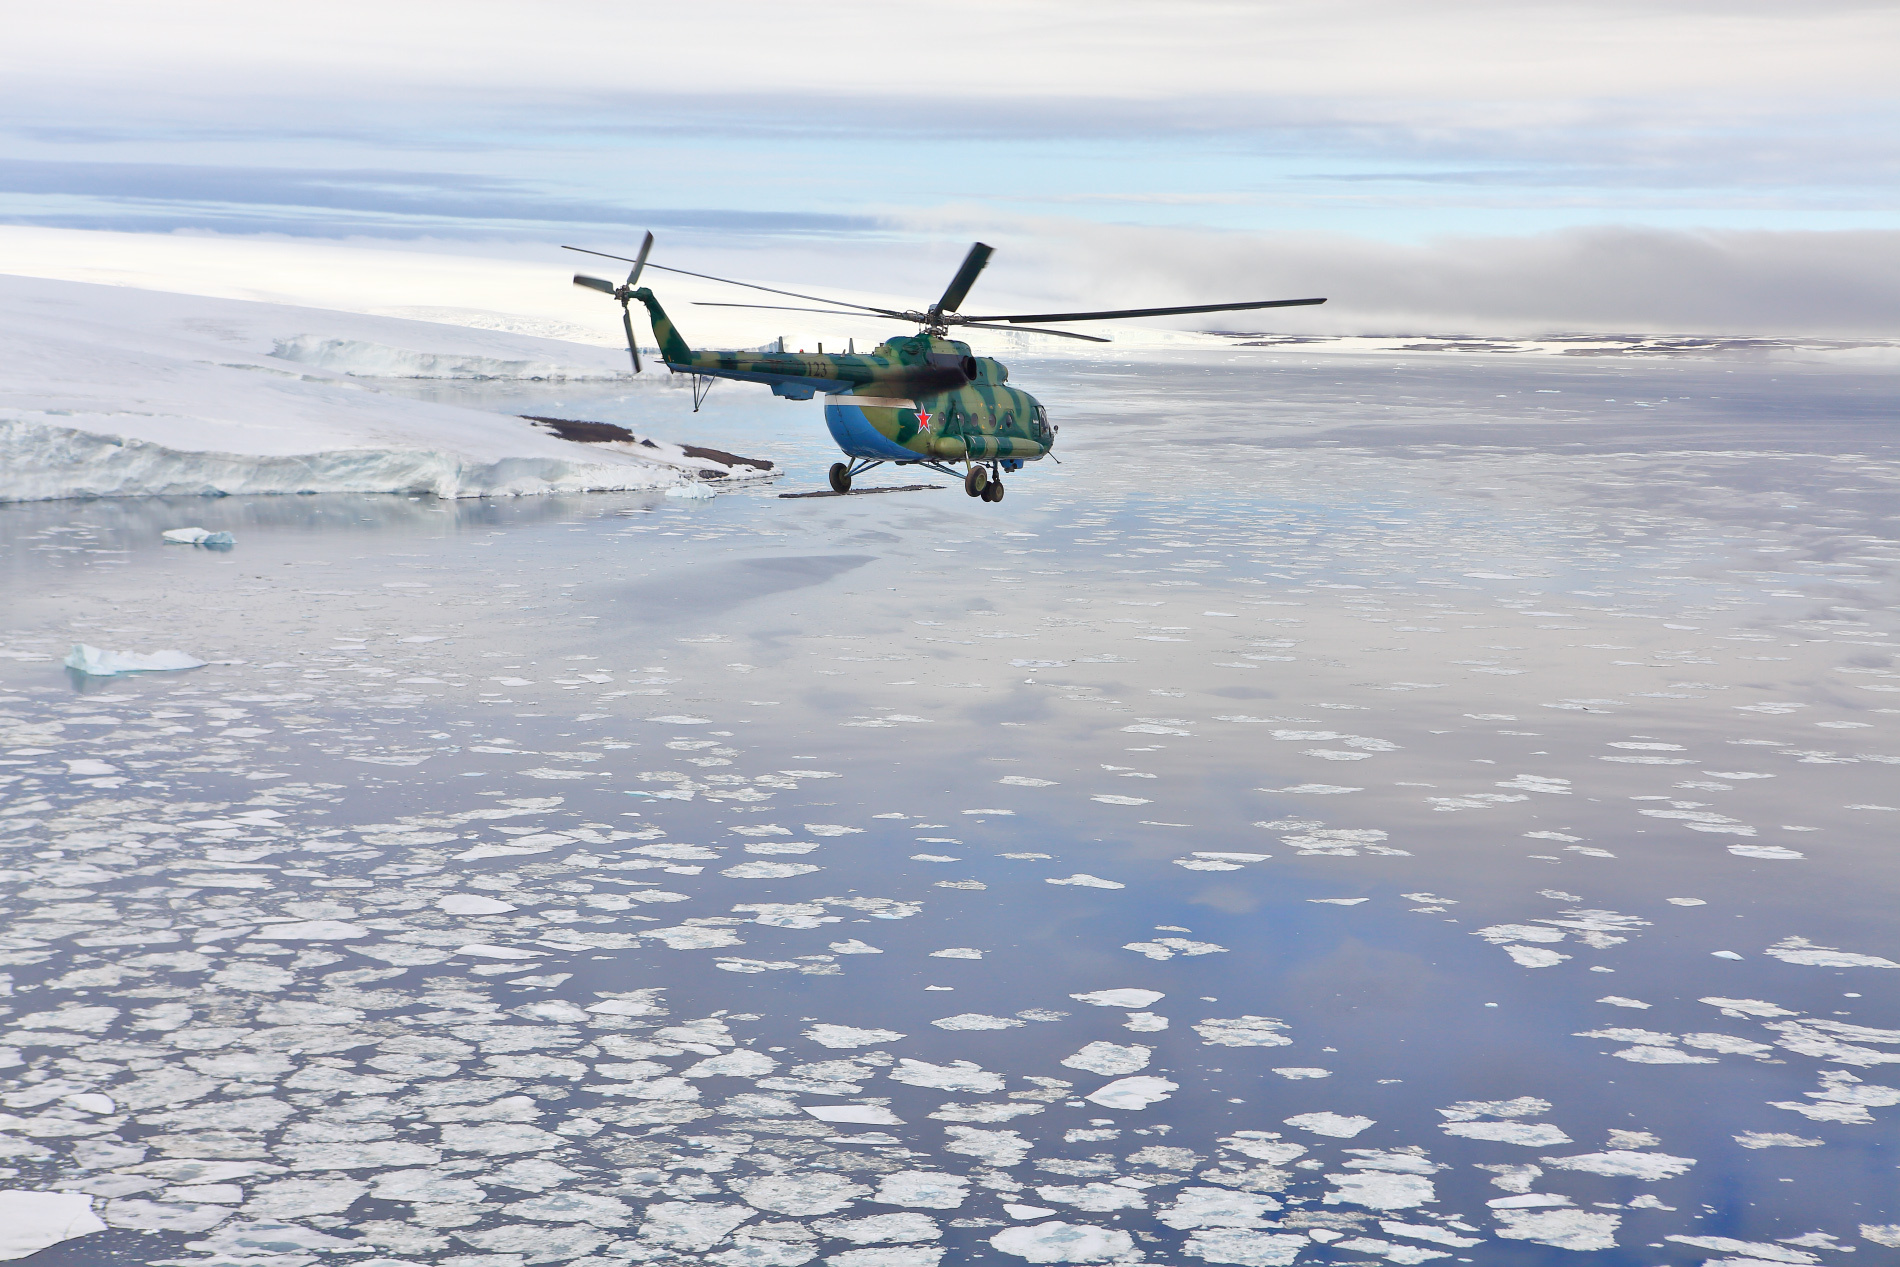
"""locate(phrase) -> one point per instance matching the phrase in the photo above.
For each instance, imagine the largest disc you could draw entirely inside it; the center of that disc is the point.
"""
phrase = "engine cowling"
(916, 380)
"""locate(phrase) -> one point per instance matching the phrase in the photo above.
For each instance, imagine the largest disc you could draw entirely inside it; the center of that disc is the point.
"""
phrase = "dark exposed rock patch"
(585, 432)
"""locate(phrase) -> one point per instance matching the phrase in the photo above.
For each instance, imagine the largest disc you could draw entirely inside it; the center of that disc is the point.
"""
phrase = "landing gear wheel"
(976, 481)
(840, 478)
(993, 491)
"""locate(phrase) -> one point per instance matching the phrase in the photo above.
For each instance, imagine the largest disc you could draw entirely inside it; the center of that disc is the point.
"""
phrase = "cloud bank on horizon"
(1485, 166)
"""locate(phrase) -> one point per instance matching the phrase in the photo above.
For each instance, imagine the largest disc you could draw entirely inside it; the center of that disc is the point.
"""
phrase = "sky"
(1497, 167)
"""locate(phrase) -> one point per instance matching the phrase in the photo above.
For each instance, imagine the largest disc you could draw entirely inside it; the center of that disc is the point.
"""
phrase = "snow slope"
(524, 288)
(113, 392)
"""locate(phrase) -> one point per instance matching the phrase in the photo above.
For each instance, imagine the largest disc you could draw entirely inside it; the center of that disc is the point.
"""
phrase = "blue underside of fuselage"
(854, 434)
(849, 427)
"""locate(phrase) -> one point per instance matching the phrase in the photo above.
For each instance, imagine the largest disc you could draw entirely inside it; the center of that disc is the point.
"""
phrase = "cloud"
(1385, 117)
(1383, 50)
(1600, 279)
(761, 144)
(160, 196)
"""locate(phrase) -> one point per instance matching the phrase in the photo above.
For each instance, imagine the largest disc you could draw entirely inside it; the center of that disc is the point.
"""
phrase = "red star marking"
(923, 421)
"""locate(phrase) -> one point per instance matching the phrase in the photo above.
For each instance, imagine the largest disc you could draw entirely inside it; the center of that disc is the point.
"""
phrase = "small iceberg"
(197, 537)
(693, 491)
(32, 1221)
(97, 662)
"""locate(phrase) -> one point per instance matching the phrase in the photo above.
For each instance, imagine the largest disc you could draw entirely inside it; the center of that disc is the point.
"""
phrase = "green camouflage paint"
(924, 393)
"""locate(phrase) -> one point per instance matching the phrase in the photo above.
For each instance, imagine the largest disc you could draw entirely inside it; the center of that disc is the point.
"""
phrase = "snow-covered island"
(109, 391)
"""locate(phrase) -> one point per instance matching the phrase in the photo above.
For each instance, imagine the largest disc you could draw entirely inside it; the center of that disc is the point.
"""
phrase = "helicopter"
(916, 400)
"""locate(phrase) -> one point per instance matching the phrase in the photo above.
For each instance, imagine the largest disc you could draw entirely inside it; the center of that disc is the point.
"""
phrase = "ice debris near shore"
(692, 492)
(197, 537)
(98, 662)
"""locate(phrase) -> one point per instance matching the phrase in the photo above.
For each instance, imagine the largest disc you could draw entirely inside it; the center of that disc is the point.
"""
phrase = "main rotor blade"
(842, 303)
(593, 283)
(1151, 312)
(708, 303)
(966, 277)
(633, 345)
(584, 251)
(1066, 334)
(633, 278)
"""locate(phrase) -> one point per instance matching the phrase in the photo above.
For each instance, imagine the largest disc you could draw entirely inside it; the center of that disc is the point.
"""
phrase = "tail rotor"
(623, 293)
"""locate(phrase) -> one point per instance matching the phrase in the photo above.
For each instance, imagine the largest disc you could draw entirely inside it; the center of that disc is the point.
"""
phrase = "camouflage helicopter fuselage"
(921, 398)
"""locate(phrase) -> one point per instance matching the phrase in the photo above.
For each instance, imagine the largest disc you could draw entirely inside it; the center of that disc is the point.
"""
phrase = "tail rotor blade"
(626, 319)
(593, 283)
(966, 277)
(640, 262)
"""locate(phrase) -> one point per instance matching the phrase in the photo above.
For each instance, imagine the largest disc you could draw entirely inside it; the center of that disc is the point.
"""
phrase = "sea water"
(1354, 809)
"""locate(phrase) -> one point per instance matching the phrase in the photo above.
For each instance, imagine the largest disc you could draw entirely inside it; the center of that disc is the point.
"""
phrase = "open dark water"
(1352, 811)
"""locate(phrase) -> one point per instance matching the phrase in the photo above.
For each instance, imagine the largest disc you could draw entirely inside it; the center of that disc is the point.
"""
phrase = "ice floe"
(1246, 1248)
(923, 1189)
(1336, 1125)
(1802, 951)
(862, 1114)
(958, 1075)
(1059, 1242)
(33, 1221)
(1648, 1166)
(1563, 1229)
(1775, 1139)
(1216, 1207)
(96, 662)
(1133, 1093)
(1527, 1134)
(1120, 998)
(1110, 1059)
(1243, 1031)
(804, 1194)
(472, 904)
(976, 1020)
(879, 1228)
(998, 1148)
(1379, 1190)
(196, 537)
(1169, 947)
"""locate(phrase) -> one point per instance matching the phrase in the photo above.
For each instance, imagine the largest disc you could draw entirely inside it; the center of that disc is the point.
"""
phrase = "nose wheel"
(840, 478)
(992, 491)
